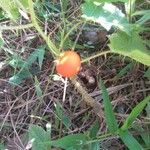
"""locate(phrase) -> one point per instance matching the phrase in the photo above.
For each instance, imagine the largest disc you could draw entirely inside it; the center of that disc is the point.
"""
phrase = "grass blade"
(134, 113)
(109, 114)
(129, 140)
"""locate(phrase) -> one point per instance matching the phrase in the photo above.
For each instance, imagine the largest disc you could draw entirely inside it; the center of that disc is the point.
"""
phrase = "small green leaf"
(21, 75)
(2, 147)
(70, 141)
(147, 73)
(148, 110)
(109, 114)
(17, 62)
(61, 115)
(123, 71)
(134, 113)
(95, 146)
(145, 16)
(131, 46)
(94, 129)
(129, 140)
(39, 92)
(39, 137)
(41, 53)
(1, 42)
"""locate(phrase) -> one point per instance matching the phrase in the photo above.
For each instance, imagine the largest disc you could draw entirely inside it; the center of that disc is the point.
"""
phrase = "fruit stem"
(65, 88)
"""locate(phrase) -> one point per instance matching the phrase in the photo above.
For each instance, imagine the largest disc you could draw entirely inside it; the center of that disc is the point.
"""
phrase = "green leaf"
(21, 75)
(134, 113)
(64, 4)
(61, 115)
(123, 71)
(145, 16)
(39, 137)
(39, 92)
(131, 46)
(94, 129)
(129, 140)
(2, 147)
(95, 146)
(40, 56)
(109, 114)
(17, 62)
(148, 110)
(144, 133)
(1, 42)
(37, 54)
(10, 8)
(70, 141)
(106, 14)
(147, 73)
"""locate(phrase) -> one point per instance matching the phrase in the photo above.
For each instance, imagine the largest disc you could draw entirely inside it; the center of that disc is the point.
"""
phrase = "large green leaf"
(129, 140)
(106, 14)
(70, 141)
(134, 113)
(131, 46)
(39, 137)
(109, 114)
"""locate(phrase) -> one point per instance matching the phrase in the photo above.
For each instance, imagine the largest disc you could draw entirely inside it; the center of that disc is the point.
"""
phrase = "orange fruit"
(68, 64)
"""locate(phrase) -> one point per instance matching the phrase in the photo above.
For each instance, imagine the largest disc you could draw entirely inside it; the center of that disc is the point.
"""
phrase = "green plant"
(126, 40)
(91, 139)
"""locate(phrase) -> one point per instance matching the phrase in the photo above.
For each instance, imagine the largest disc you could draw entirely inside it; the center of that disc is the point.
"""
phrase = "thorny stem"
(100, 138)
(50, 44)
(19, 27)
(95, 56)
(87, 98)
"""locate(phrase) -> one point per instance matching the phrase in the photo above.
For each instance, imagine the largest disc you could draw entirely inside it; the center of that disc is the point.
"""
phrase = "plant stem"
(100, 138)
(96, 55)
(97, 107)
(65, 88)
(19, 27)
(50, 44)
